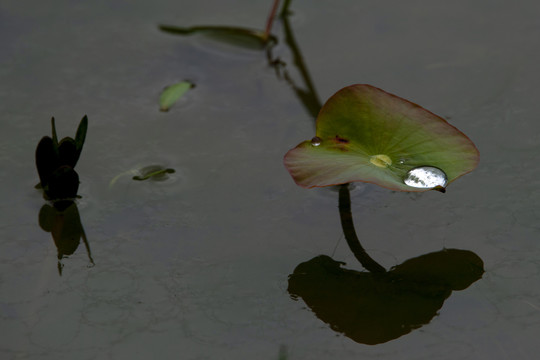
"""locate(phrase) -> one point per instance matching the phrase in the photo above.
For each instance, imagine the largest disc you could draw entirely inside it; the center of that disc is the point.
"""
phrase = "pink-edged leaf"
(366, 134)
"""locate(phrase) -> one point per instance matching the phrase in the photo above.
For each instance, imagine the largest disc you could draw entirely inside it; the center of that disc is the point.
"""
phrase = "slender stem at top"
(270, 19)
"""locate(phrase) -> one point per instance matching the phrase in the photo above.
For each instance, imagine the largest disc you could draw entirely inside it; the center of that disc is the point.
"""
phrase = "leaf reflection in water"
(376, 308)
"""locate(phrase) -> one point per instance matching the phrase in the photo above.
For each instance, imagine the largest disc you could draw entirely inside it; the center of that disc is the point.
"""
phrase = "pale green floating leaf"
(366, 134)
(172, 93)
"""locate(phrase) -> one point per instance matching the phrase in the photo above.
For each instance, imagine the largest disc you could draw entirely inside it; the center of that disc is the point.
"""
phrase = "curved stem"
(350, 234)
(310, 100)
(307, 96)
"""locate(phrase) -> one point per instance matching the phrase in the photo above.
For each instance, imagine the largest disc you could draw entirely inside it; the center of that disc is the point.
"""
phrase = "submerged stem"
(350, 234)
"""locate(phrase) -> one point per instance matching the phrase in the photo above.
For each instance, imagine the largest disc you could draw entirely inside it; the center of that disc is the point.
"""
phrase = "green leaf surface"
(172, 93)
(366, 134)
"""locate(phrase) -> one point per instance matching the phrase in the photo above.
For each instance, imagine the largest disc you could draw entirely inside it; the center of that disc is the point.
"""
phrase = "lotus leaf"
(366, 134)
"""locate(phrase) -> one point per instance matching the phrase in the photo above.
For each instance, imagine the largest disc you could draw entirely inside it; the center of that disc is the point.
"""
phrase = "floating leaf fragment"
(154, 172)
(366, 134)
(172, 93)
(237, 36)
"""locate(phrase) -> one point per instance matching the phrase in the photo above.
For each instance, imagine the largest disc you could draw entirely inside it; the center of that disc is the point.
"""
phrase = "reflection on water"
(376, 308)
(63, 221)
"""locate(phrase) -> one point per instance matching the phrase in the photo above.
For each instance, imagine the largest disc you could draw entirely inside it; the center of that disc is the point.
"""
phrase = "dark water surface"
(197, 266)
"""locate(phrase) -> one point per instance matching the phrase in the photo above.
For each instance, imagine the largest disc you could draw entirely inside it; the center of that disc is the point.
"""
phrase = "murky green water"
(197, 266)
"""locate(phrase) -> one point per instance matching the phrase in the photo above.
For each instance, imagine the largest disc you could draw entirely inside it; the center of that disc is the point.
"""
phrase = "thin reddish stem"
(270, 20)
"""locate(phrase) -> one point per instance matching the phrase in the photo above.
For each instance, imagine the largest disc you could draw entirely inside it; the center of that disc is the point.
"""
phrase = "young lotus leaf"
(366, 134)
(172, 93)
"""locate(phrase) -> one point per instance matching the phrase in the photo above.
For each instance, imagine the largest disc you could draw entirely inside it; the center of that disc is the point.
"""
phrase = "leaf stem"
(350, 234)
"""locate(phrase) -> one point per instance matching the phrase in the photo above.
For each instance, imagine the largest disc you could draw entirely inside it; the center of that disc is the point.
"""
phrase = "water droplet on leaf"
(426, 177)
(316, 141)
